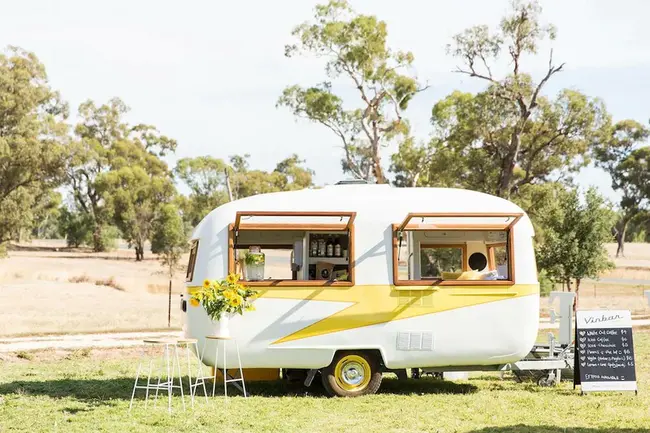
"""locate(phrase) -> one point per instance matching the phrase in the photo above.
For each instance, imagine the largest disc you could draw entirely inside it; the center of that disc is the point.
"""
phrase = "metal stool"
(226, 378)
(188, 343)
(172, 363)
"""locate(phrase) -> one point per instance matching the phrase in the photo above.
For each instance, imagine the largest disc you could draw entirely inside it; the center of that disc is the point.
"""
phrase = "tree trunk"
(508, 166)
(225, 170)
(377, 170)
(576, 299)
(169, 306)
(139, 252)
(98, 242)
(620, 238)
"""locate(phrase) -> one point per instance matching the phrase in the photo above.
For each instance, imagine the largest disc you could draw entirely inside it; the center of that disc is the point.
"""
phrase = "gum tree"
(34, 147)
(509, 135)
(355, 49)
(629, 167)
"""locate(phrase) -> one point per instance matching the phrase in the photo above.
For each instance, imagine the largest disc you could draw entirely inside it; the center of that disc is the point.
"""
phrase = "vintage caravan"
(360, 279)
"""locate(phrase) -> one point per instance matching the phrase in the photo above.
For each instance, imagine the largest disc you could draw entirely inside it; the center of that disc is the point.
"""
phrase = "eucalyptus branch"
(551, 70)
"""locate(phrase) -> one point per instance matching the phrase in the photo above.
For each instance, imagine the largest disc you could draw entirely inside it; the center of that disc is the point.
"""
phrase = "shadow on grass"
(103, 391)
(425, 386)
(523, 428)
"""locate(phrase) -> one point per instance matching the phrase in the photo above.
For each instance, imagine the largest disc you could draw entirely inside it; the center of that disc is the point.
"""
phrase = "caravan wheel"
(352, 374)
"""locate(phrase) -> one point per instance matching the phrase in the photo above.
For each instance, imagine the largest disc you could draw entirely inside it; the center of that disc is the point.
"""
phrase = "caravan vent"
(414, 340)
(352, 182)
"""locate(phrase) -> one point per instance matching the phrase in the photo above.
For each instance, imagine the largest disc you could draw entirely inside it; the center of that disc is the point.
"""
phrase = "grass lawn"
(85, 391)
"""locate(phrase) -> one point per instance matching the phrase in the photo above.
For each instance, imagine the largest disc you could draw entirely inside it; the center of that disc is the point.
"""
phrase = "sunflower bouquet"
(224, 296)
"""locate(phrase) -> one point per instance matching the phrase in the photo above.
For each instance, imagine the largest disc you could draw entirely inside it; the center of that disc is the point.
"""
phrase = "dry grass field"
(622, 288)
(52, 289)
(78, 291)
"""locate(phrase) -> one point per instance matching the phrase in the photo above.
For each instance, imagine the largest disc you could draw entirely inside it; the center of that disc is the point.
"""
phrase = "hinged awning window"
(459, 221)
(294, 220)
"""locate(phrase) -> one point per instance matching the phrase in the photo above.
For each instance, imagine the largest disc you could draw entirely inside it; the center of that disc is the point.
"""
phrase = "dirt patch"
(54, 355)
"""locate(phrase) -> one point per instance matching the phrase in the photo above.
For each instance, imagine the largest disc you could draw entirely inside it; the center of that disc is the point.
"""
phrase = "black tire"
(361, 366)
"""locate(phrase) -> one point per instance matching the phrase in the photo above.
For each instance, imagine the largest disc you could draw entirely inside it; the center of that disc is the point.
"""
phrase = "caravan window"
(453, 250)
(293, 248)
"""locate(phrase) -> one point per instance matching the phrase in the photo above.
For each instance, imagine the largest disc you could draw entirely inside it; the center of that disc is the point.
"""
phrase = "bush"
(546, 285)
(76, 227)
(110, 235)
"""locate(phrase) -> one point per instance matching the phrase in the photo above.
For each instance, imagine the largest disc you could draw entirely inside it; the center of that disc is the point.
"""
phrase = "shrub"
(79, 279)
(546, 285)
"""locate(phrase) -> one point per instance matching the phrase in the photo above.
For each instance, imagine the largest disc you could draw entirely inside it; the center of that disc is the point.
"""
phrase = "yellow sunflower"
(206, 284)
(194, 302)
(228, 294)
(232, 278)
(235, 301)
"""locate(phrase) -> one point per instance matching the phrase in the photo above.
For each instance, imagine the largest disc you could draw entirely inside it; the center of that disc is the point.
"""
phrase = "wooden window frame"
(237, 226)
(508, 228)
(407, 226)
(463, 264)
(194, 251)
(491, 256)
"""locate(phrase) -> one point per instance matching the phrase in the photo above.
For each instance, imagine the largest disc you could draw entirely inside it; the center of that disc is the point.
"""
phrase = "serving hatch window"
(293, 248)
(453, 249)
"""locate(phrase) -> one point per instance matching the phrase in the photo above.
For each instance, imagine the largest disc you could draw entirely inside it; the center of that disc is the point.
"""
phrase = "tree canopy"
(208, 179)
(575, 229)
(356, 50)
(34, 146)
(629, 167)
(510, 134)
(117, 175)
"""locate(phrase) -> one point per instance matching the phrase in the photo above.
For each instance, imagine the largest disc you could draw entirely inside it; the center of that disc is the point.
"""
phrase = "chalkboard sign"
(604, 352)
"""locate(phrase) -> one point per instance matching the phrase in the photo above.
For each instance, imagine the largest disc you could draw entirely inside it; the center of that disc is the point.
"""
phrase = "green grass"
(83, 392)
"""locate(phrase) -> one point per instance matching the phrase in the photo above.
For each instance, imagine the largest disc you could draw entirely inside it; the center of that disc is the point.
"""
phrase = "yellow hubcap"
(352, 373)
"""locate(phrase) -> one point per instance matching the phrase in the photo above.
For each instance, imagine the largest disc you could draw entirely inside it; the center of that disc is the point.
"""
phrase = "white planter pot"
(220, 328)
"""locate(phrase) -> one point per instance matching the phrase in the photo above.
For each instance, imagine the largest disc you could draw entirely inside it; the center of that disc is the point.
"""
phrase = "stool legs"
(137, 376)
(200, 378)
(180, 375)
(241, 372)
(189, 373)
(225, 372)
(169, 381)
(216, 357)
(169, 363)
(224, 369)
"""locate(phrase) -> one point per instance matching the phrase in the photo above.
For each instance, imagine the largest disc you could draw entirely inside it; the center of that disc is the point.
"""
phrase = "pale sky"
(208, 73)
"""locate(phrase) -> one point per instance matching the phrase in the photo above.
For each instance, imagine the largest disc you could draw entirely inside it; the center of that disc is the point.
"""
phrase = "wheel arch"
(374, 351)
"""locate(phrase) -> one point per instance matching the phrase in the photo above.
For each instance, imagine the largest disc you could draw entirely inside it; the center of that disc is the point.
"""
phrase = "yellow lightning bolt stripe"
(375, 304)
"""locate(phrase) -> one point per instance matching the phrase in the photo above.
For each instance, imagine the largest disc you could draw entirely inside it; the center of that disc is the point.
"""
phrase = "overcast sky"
(208, 73)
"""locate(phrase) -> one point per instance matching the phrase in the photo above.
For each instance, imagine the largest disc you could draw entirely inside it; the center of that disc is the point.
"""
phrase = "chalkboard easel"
(604, 351)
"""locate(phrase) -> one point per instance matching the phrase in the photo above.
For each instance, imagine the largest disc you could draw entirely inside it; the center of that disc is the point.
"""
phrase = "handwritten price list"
(605, 354)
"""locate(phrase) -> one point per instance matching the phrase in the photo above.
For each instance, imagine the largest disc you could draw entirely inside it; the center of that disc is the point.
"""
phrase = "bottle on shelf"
(313, 246)
(329, 249)
(337, 247)
(321, 247)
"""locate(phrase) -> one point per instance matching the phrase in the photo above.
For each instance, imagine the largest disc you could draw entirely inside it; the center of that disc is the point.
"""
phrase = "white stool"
(172, 363)
(188, 343)
(225, 340)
